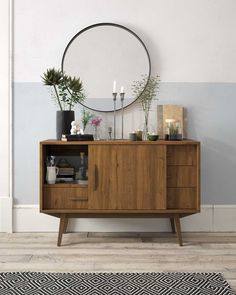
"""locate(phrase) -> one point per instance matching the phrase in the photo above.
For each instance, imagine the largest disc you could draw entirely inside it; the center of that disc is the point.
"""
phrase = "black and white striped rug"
(36, 283)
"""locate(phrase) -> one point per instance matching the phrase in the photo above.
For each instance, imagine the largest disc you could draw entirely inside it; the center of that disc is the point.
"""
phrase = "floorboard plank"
(120, 252)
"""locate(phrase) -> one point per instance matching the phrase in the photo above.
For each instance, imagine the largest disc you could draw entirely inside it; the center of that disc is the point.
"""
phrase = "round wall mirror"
(101, 54)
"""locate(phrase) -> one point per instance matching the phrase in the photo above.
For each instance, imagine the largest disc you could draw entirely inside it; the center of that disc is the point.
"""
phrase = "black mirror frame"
(115, 25)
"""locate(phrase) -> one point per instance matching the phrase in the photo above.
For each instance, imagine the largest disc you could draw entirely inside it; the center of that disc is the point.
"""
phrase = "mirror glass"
(101, 54)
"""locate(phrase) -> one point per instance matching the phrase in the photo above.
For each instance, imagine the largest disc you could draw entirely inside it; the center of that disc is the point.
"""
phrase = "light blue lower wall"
(211, 111)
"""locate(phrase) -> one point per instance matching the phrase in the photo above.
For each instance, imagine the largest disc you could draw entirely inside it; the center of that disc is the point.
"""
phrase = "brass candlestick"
(114, 94)
(122, 97)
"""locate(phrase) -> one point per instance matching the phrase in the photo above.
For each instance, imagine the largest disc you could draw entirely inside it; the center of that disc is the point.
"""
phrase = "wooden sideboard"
(125, 179)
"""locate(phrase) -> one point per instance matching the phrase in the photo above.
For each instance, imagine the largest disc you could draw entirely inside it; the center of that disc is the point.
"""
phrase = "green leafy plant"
(67, 91)
(145, 90)
(86, 116)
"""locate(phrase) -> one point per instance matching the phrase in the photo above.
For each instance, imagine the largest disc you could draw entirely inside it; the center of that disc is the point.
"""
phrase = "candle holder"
(109, 132)
(114, 94)
(122, 97)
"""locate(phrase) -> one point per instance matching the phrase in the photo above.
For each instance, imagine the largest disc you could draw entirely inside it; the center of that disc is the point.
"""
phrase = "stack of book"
(66, 174)
(75, 137)
(83, 182)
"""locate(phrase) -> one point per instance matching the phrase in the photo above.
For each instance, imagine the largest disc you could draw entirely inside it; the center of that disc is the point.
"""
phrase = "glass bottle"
(82, 173)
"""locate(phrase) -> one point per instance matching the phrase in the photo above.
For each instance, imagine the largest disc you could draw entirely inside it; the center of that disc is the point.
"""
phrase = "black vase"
(64, 119)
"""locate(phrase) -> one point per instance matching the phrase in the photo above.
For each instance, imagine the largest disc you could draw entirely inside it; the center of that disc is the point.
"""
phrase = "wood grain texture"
(42, 176)
(198, 176)
(82, 213)
(64, 197)
(172, 223)
(62, 228)
(182, 155)
(127, 177)
(181, 176)
(182, 198)
(178, 229)
(120, 142)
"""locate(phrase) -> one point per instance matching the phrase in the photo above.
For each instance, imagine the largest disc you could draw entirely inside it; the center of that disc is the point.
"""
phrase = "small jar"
(139, 134)
(133, 136)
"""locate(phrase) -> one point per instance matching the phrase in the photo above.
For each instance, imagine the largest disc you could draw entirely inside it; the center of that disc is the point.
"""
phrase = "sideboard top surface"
(121, 142)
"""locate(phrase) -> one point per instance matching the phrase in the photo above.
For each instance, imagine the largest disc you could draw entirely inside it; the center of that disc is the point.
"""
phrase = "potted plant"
(67, 92)
(144, 91)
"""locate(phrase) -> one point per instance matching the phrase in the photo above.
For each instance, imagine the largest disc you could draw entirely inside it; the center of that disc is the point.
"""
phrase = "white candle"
(122, 89)
(114, 86)
(170, 120)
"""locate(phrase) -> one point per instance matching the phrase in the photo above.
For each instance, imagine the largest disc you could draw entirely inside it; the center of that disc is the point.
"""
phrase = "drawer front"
(182, 198)
(181, 176)
(182, 155)
(65, 198)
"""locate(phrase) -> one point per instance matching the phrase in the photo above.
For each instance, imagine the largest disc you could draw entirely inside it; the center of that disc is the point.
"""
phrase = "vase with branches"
(67, 91)
(86, 116)
(95, 122)
(145, 90)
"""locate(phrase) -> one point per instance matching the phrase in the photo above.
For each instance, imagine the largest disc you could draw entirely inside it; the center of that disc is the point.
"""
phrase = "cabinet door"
(127, 177)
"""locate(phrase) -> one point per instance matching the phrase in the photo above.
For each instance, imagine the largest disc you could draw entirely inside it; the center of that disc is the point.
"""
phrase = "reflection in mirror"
(102, 53)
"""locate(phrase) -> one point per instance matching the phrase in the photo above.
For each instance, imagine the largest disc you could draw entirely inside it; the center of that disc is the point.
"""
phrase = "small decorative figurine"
(75, 128)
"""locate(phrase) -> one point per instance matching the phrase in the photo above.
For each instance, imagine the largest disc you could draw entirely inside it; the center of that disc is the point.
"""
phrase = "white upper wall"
(188, 40)
(4, 98)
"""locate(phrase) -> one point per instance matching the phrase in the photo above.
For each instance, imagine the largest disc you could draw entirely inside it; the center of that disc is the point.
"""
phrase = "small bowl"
(152, 137)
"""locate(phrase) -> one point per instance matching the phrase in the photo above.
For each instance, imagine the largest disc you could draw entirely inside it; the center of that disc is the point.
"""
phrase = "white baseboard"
(213, 218)
(224, 218)
(6, 214)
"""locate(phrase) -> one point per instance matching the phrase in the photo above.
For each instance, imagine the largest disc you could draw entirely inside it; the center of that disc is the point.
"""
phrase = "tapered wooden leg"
(178, 229)
(172, 223)
(63, 221)
(66, 224)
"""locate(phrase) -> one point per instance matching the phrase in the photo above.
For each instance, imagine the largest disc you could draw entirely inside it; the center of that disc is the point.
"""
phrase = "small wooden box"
(175, 112)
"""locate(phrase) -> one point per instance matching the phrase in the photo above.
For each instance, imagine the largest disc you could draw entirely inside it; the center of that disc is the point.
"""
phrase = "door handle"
(95, 183)
(79, 199)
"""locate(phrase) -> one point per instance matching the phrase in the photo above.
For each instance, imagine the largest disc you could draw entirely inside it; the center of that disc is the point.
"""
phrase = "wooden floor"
(120, 252)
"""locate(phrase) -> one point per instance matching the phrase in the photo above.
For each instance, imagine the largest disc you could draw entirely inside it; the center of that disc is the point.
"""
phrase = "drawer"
(181, 176)
(182, 198)
(182, 155)
(65, 198)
